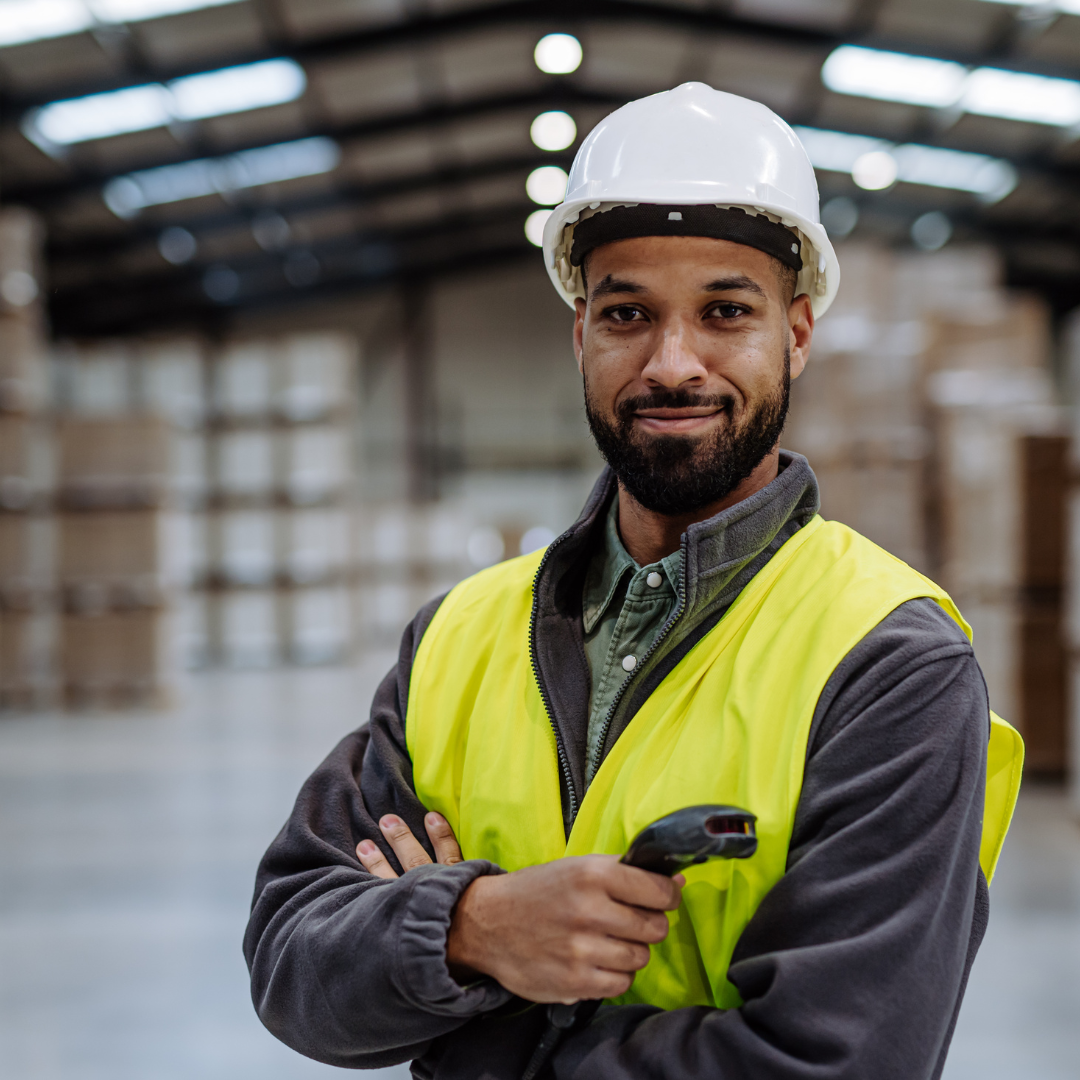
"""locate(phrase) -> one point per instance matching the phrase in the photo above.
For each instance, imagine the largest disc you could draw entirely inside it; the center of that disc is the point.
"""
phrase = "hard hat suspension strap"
(719, 223)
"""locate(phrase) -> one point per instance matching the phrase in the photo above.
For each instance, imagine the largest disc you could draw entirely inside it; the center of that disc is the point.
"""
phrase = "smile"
(675, 421)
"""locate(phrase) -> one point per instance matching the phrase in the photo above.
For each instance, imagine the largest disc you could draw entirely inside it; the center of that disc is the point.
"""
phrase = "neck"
(649, 536)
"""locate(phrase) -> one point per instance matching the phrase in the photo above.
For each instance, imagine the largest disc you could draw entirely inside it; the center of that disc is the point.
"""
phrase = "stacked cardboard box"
(279, 528)
(25, 537)
(999, 456)
(927, 413)
(117, 565)
(130, 471)
(856, 410)
(1070, 365)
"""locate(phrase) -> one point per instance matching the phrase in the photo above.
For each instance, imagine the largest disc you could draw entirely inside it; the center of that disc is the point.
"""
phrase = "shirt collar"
(605, 574)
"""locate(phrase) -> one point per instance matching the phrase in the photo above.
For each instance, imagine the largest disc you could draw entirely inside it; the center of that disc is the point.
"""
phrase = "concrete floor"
(128, 846)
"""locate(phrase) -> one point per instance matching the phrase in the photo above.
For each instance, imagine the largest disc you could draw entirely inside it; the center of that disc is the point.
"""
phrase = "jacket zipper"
(665, 630)
(564, 761)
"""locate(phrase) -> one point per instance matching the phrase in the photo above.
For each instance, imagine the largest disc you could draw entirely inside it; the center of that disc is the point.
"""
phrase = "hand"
(570, 930)
(407, 848)
(574, 929)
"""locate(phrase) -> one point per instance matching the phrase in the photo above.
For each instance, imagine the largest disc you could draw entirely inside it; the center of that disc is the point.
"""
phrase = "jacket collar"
(720, 556)
(716, 549)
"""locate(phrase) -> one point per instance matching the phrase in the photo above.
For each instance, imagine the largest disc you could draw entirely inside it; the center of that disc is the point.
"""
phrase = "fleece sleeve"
(348, 968)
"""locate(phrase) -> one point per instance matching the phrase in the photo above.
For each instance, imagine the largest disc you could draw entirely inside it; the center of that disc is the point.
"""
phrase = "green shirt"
(624, 608)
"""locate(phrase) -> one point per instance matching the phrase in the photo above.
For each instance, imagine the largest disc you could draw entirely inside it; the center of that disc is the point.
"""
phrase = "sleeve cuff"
(424, 925)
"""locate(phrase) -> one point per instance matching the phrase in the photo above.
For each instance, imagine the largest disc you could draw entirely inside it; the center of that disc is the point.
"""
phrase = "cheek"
(615, 356)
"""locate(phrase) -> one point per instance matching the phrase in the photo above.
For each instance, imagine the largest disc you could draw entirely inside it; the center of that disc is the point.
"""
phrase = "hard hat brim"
(819, 278)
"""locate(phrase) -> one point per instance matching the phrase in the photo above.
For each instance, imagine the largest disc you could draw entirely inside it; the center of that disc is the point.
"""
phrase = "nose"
(675, 362)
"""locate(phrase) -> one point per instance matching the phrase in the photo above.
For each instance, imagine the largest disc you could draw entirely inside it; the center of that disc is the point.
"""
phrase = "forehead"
(667, 262)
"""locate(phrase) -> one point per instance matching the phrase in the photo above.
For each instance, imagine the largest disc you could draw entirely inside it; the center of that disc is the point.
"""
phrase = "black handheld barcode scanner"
(667, 846)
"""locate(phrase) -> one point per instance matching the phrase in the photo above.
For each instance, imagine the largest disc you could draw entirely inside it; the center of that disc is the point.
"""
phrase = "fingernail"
(389, 821)
(679, 880)
(433, 819)
(366, 848)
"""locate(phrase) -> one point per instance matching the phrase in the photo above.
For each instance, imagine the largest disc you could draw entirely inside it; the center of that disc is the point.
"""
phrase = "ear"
(800, 317)
(580, 308)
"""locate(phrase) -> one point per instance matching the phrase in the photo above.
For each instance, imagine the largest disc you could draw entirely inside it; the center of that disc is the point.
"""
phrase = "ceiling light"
(271, 231)
(921, 80)
(553, 130)
(934, 166)
(302, 269)
(125, 196)
(33, 20)
(101, 115)
(1018, 96)
(19, 288)
(889, 76)
(840, 216)
(136, 10)
(874, 171)
(237, 89)
(546, 185)
(932, 231)
(194, 97)
(534, 226)
(221, 283)
(177, 245)
(837, 151)
(1066, 7)
(558, 54)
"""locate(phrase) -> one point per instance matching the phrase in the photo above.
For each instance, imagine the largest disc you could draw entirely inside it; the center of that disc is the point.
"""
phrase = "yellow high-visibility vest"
(728, 725)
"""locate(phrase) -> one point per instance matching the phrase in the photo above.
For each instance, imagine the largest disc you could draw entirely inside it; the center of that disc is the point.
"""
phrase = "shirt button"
(654, 580)
(629, 662)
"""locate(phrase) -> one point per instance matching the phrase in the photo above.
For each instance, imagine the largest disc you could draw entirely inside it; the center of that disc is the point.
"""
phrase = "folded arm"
(346, 966)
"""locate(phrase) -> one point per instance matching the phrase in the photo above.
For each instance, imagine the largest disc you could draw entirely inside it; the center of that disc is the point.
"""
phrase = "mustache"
(665, 398)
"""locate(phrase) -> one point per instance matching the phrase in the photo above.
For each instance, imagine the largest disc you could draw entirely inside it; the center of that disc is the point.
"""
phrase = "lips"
(676, 420)
(684, 413)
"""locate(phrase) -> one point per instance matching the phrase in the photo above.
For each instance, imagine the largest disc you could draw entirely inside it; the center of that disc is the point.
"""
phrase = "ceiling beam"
(178, 299)
(561, 94)
(423, 27)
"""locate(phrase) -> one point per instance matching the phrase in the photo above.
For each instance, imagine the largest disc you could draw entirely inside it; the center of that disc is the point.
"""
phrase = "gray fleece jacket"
(853, 966)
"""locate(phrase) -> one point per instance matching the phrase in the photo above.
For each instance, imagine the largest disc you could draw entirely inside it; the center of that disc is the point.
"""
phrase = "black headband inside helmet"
(628, 222)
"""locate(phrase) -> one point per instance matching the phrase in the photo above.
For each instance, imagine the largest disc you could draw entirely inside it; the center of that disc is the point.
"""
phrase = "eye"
(625, 313)
(725, 310)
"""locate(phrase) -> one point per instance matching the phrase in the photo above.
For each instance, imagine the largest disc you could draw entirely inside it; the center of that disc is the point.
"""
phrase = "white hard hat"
(695, 146)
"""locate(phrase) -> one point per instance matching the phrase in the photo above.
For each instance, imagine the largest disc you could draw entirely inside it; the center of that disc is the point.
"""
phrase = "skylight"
(32, 20)
(194, 97)
(1066, 7)
(1016, 96)
(918, 80)
(921, 80)
(126, 195)
(990, 178)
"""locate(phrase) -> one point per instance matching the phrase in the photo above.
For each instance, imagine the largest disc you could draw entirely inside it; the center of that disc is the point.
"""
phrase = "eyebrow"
(611, 285)
(739, 281)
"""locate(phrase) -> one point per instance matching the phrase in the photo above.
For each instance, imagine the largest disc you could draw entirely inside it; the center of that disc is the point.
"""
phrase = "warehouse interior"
(280, 362)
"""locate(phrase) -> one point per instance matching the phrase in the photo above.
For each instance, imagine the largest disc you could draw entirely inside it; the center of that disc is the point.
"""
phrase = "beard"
(682, 474)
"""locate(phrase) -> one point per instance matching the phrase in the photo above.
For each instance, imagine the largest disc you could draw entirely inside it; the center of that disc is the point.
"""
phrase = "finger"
(373, 860)
(621, 956)
(645, 925)
(406, 847)
(631, 885)
(608, 984)
(442, 839)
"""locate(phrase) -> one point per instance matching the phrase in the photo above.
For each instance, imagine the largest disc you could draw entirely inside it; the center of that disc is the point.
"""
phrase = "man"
(699, 635)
